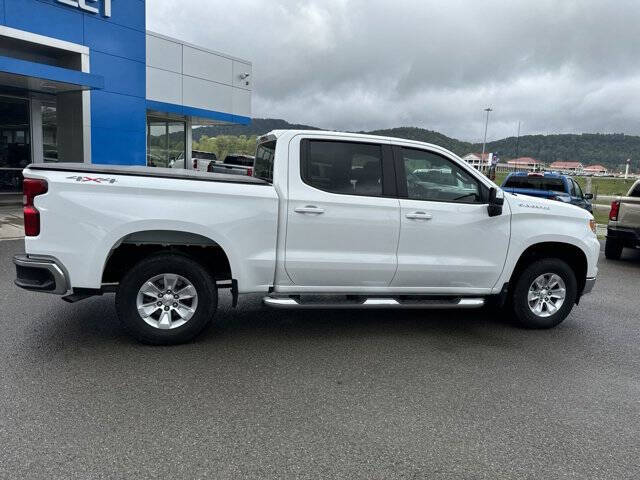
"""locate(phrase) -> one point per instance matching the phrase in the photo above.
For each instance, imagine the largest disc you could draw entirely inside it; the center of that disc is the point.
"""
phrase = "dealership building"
(84, 81)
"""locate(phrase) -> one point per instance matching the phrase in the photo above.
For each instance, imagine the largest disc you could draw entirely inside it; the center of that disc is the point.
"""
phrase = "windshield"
(263, 164)
(535, 183)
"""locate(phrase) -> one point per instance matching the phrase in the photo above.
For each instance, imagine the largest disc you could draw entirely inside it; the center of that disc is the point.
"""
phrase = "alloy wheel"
(546, 295)
(167, 301)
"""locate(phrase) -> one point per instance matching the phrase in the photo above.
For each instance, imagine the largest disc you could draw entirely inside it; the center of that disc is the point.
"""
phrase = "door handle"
(419, 216)
(309, 209)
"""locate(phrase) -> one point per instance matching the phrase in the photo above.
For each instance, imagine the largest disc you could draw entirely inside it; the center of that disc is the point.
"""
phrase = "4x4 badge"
(79, 178)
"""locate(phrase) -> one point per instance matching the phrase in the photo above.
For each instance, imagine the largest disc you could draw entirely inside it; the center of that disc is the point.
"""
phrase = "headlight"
(593, 226)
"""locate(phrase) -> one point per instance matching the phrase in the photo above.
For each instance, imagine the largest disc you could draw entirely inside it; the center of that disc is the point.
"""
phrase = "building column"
(188, 162)
(37, 150)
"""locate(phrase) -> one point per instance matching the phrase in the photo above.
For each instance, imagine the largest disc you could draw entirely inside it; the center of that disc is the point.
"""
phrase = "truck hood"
(542, 206)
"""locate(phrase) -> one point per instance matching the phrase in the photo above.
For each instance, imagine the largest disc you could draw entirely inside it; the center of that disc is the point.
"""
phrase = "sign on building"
(89, 6)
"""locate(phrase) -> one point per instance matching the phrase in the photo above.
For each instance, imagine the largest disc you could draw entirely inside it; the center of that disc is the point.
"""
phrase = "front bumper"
(41, 274)
(588, 285)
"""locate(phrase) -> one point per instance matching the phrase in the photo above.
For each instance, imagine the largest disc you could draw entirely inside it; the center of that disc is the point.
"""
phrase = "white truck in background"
(329, 220)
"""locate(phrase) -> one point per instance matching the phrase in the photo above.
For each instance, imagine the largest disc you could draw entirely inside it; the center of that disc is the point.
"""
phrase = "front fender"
(533, 229)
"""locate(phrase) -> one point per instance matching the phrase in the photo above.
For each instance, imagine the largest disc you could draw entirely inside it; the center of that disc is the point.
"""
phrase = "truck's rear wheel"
(612, 249)
(544, 294)
(166, 299)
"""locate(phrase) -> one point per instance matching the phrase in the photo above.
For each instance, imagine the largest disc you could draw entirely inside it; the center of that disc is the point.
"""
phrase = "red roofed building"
(596, 170)
(567, 167)
(525, 163)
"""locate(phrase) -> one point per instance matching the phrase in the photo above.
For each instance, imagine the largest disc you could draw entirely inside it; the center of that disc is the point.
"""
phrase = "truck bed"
(143, 171)
(90, 210)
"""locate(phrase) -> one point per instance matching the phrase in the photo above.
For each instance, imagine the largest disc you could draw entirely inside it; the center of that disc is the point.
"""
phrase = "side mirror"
(588, 196)
(496, 201)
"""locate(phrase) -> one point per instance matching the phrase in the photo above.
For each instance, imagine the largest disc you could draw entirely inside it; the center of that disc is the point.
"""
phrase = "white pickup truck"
(329, 220)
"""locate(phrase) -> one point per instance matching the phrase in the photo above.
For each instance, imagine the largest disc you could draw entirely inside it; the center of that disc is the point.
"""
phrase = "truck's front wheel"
(544, 293)
(166, 299)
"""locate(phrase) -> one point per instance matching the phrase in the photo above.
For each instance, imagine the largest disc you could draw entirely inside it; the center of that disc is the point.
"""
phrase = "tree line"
(610, 150)
(224, 145)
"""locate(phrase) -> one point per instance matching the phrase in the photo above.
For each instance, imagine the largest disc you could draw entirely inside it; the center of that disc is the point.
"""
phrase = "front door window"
(15, 143)
(433, 177)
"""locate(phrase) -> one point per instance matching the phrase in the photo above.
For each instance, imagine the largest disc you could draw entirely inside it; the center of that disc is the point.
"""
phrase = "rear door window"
(348, 168)
(263, 165)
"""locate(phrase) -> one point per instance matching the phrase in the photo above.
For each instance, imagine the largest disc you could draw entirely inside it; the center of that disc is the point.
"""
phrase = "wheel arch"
(134, 246)
(573, 255)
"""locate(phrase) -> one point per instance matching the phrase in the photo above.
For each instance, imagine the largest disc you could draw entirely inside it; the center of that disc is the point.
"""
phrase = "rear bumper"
(41, 274)
(588, 285)
(629, 237)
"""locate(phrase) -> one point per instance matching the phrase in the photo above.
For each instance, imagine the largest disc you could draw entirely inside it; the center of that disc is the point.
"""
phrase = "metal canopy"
(39, 77)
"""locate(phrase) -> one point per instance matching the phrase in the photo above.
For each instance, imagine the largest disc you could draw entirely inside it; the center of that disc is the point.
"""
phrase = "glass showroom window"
(49, 132)
(166, 141)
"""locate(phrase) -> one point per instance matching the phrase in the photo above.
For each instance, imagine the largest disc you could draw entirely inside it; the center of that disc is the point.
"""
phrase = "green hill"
(258, 126)
(610, 150)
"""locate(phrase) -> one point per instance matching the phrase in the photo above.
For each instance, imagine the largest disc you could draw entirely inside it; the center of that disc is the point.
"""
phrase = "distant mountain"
(429, 136)
(258, 126)
(610, 150)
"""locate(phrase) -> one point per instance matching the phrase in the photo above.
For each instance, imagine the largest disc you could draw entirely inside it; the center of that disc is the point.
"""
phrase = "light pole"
(484, 142)
(518, 141)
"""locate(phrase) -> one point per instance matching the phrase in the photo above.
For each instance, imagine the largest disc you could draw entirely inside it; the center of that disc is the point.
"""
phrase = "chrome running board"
(453, 303)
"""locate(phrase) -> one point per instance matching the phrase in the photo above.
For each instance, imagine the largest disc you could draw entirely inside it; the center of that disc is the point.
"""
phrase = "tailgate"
(629, 215)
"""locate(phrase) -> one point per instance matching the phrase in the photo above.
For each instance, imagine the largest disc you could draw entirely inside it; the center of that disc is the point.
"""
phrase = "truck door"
(448, 242)
(342, 215)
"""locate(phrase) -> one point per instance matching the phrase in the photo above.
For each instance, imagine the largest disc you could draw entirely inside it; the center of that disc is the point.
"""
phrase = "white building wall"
(183, 74)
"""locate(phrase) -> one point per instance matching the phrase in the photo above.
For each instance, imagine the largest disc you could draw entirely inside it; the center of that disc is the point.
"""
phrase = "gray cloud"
(555, 65)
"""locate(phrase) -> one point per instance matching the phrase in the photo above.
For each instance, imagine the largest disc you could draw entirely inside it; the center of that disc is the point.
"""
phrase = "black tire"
(519, 297)
(612, 249)
(133, 280)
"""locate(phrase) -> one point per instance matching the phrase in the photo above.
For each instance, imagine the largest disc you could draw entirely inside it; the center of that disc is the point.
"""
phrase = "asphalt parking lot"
(271, 394)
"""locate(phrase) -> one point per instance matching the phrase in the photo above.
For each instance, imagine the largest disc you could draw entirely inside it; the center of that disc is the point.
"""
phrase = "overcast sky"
(558, 66)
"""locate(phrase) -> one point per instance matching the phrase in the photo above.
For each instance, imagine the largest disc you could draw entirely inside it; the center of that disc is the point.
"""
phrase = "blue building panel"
(130, 14)
(108, 37)
(118, 147)
(117, 53)
(47, 72)
(120, 112)
(45, 19)
(124, 76)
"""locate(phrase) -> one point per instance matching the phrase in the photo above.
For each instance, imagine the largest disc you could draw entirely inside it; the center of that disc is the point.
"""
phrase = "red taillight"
(31, 188)
(31, 222)
(615, 210)
(195, 163)
(249, 172)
